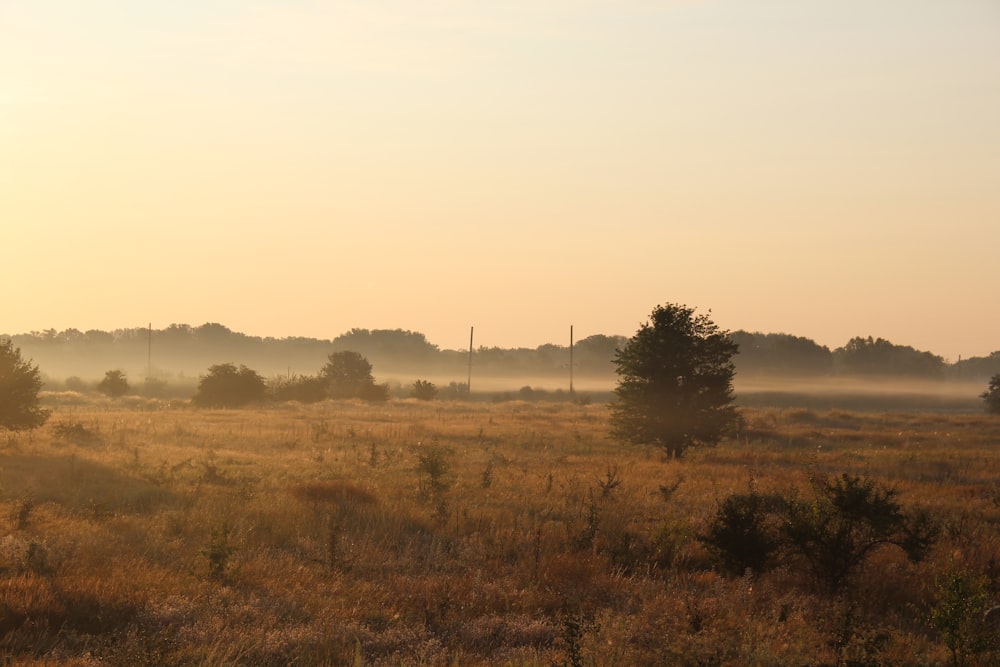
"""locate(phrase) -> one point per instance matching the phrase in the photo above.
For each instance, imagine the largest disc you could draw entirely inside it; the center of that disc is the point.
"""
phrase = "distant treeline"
(182, 351)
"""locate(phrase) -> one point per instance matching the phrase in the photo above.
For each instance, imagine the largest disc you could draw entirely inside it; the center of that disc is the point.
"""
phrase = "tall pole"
(571, 360)
(468, 385)
(149, 353)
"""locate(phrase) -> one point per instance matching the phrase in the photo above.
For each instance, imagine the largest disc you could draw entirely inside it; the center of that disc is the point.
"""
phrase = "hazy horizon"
(826, 170)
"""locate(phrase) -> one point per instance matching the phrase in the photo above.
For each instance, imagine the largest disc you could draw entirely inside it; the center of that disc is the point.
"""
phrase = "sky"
(821, 168)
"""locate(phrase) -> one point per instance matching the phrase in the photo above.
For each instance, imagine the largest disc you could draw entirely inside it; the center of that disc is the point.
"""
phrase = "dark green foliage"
(960, 614)
(114, 384)
(347, 375)
(781, 354)
(301, 388)
(424, 390)
(829, 535)
(992, 395)
(675, 386)
(742, 535)
(845, 521)
(868, 356)
(229, 386)
(20, 383)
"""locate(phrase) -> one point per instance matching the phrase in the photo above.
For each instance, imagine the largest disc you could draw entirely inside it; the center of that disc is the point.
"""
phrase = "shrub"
(424, 390)
(992, 395)
(845, 521)
(302, 388)
(114, 384)
(226, 386)
(741, 535)
(830, 534)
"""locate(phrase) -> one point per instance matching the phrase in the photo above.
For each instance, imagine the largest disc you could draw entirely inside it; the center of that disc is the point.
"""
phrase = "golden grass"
(545, 543)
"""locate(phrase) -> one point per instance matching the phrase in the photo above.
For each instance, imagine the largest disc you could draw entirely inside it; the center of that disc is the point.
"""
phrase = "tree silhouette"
(348, 375)
(675, 385)
(992, 395)
(226, 386)
(114, 384)
(19, 386)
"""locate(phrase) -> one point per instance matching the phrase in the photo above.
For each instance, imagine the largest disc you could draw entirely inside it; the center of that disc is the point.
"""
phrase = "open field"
(432, 533)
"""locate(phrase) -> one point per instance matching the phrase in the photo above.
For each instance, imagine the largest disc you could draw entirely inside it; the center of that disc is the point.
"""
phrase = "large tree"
(675, 386)
(20, 383)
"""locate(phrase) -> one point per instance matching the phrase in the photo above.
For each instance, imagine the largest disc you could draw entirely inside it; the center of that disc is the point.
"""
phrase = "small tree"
(424, 390)
(20, 383)
(114, 384)
(847, 520)
(992, 395)
(347, 375)
(675, 385)
(229, 386)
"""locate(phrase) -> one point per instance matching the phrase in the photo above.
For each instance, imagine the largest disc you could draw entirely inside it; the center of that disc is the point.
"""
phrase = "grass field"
(507, 533)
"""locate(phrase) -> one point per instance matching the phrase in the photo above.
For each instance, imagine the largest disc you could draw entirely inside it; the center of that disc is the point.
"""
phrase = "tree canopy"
(229, 386)
(20, 383)
(675, 385)
(992, 395)
(115, 384)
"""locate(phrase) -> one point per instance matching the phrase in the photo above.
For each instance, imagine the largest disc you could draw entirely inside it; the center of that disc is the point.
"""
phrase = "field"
(504, 533)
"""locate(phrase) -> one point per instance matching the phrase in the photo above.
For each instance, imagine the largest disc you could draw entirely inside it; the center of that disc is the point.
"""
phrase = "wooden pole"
(468, 385)
(149, 353)
(571, 360)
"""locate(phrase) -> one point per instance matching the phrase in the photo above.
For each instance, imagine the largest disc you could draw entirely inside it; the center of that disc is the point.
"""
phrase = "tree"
(226, 386)
(20, 383)
(424, 390)
(992, 395)
(675, 386)
(114, 384)
(347, 375)
(845, 521)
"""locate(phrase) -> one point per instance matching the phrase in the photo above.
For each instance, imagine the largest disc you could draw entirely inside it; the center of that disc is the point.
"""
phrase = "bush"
(349, 375)
(741, 535)
(845, 521)
(20, 383)
(302, 388)
(114, 384)
(226, 386)
(992, 395)
(424, 390)
(830, 535)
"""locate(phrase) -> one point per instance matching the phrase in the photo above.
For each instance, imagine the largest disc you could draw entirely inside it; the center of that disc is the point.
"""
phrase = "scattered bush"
(301, 388)
(424, 390)
(992, 395)
(226, 386)
(114, 384)
(742, 535)
(830, 534)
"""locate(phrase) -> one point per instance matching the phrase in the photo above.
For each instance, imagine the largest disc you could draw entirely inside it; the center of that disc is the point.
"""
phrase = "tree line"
(180, 350)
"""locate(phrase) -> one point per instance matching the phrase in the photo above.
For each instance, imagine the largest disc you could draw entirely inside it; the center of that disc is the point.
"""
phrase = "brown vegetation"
(426, 533)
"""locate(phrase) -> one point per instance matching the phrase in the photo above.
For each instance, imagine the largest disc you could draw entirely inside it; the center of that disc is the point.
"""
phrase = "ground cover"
(478, 533)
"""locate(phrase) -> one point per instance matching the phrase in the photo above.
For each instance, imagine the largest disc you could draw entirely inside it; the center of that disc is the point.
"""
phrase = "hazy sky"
(825, 168)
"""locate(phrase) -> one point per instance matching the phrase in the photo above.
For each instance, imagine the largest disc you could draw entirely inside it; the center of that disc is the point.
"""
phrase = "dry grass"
(313, 535)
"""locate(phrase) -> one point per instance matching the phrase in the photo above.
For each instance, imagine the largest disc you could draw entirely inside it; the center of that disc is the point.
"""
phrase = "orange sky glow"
(825, 169)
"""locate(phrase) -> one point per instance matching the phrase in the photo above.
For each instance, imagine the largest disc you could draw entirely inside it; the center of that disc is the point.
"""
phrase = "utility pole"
(571, 360)
(468, 385)
(149, 353)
